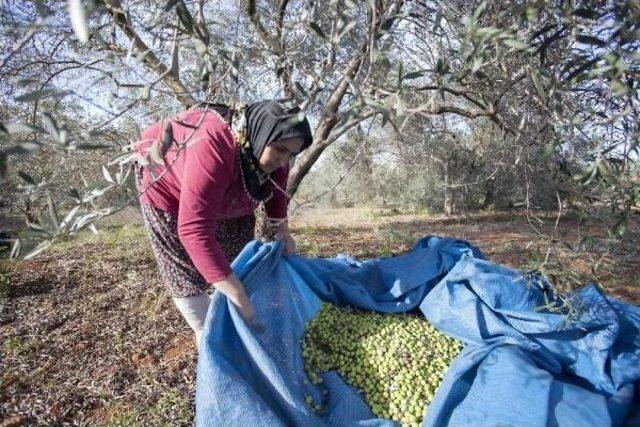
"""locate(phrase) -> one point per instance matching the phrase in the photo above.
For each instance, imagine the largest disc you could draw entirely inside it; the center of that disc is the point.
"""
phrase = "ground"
(88, 335)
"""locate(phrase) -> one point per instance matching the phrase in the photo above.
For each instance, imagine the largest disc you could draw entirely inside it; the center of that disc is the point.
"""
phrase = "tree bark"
(329, 120)
(448, 197)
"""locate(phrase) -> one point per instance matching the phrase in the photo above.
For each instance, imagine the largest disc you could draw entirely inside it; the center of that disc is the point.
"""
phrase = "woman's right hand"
(233, 289)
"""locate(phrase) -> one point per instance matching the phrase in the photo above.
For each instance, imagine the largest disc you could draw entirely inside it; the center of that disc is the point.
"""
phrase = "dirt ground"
(89, 337)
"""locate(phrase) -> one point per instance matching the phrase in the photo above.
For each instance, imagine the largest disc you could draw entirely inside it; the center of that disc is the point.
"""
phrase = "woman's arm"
(283, 233)
(233, 289)
(207, 174)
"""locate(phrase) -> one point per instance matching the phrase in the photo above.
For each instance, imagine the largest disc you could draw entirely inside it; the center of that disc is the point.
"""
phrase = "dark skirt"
(176, 269)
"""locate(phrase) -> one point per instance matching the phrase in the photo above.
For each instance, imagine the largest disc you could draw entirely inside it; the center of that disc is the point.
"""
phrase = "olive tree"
(554, 75)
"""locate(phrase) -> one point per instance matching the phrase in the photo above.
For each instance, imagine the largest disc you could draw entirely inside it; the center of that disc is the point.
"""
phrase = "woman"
(199, 183)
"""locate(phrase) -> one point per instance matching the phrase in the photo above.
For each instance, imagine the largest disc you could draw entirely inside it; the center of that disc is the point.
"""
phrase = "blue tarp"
(522, 365)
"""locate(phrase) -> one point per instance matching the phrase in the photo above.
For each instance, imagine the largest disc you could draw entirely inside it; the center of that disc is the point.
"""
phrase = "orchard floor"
(88, 335)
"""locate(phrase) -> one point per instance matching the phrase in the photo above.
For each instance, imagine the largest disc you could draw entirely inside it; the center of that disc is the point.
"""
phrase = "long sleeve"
(208, 173)
(276, 207)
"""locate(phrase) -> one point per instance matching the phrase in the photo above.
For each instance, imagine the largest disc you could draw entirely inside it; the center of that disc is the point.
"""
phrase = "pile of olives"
(396, 360)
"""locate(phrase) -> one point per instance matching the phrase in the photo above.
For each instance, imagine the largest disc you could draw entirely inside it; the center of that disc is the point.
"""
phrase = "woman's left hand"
(289, 242)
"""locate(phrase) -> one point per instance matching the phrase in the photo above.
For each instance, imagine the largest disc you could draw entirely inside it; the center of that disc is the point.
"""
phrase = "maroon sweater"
(202, 185)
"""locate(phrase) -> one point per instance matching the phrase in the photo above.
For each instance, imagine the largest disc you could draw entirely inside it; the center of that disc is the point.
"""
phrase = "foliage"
(450, 105)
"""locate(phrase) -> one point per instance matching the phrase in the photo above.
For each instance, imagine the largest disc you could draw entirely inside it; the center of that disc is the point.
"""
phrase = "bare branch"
(149, 57)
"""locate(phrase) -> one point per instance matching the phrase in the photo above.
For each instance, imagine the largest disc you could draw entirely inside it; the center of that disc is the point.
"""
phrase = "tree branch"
(149, 57)
(276, 43)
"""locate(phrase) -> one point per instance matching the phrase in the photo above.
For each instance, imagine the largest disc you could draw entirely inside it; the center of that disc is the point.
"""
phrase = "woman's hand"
(283, 233)
(289, 242)
(233, 289)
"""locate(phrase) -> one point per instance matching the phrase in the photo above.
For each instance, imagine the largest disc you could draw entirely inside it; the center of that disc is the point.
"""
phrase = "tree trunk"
(310, 155)
(489, 194)
(448, 197)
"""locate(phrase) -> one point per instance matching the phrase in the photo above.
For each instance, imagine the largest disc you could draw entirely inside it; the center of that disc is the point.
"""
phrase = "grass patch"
(170, 402)
(116, 415)
(131, 235)
(5, 278)
(307, 229)
(391, 238)
(152, 305)
(127, 242)
(312, 248)
(165, 406)
(377, 213)
(13, 345)
(170, 409)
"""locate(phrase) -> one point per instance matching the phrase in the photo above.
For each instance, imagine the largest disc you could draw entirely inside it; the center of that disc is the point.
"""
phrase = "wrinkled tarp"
(522, 365)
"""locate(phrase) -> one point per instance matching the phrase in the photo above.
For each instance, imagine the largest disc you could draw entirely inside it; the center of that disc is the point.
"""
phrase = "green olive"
(397, 361)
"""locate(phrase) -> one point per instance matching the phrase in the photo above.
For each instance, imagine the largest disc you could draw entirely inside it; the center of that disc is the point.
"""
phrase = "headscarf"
(269, 121)
(264, 123)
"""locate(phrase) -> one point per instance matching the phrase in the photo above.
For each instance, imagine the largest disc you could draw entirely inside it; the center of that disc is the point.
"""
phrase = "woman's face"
(278, 153)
